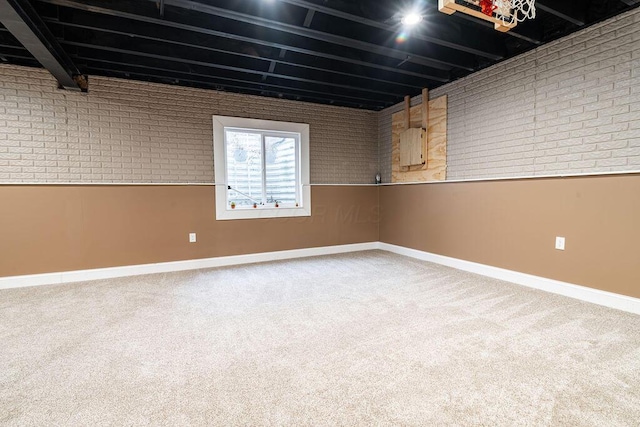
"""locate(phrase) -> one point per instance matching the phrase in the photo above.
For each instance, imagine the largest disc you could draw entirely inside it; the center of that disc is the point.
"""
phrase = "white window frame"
(223, 208)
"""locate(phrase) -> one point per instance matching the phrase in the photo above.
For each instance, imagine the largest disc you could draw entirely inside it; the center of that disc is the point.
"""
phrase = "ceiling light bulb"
(411, 19)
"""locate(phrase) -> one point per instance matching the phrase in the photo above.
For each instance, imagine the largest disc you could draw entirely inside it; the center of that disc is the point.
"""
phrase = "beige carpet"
(362, 339)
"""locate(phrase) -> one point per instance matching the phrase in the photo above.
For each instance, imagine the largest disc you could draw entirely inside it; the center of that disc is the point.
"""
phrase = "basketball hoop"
(512, 11)
(505, 14)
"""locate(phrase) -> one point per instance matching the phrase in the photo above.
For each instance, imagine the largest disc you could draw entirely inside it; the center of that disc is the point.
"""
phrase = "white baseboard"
(165, 267)
(595, 296)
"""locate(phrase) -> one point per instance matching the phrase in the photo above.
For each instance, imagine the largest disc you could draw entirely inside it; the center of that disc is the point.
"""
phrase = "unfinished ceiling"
(339, 52)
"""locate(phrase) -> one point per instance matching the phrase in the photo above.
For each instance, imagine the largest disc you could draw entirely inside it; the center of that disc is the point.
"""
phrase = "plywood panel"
(436, 167)
(411, 147)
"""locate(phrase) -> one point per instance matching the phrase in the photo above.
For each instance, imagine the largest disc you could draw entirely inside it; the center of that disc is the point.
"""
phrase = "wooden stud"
(407, 125)
(425, 111)
(407, 112)
(425, 124)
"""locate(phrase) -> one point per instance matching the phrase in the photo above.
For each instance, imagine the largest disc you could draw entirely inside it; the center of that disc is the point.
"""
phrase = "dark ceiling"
(337, 52)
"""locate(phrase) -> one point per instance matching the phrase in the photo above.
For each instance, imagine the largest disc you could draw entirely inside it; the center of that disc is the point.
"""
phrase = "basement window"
(261, 168)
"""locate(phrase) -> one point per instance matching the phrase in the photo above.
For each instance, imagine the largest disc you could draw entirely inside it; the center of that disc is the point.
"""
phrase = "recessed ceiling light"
(411, 19)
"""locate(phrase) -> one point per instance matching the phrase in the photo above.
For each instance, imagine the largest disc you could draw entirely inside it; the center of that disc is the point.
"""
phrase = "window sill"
(262, 213)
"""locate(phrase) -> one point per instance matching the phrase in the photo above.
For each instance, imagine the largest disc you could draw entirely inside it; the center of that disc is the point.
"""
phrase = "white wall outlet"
(192, 237)
(560, 243)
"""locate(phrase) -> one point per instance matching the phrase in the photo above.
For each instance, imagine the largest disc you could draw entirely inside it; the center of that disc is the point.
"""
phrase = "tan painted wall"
(62, 228)
(508, 224)
(513, 224)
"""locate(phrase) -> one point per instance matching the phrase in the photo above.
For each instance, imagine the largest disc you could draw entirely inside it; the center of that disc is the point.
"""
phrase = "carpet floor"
(369, 338)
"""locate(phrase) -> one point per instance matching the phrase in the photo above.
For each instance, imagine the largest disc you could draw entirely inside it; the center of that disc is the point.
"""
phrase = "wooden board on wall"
(436, 167)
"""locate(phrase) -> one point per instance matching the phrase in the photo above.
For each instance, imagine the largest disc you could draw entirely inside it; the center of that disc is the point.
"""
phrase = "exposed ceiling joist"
(286, 94)
(441, 59)
(185, 40)
(561, 9)
(526, 31)
(224, 83)
(433, 75)
(351, 53)
(14, 50)
(233, 69)
(21, 20)
(471, 45)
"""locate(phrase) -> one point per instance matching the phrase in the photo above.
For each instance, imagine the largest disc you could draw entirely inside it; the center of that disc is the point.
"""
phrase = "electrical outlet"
(192, 237)
(560, 243)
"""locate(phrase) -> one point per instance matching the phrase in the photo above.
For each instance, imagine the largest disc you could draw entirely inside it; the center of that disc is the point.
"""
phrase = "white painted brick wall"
(127, 131)
(571, 106)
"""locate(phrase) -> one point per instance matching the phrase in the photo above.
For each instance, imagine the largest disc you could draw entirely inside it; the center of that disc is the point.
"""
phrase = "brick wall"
(127, 131)
(571, 106)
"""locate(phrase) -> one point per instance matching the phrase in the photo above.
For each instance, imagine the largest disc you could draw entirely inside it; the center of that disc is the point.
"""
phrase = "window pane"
(244, 167)
(280, 156)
